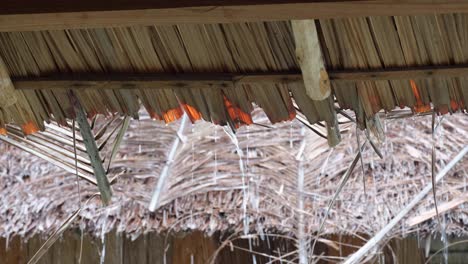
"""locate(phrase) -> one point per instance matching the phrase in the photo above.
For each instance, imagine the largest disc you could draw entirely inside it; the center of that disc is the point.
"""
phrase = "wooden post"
(13, 104)
(92, 150)
(309, 55)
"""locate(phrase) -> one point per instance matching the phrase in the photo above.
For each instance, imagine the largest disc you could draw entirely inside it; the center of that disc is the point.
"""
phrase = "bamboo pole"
(381, 234)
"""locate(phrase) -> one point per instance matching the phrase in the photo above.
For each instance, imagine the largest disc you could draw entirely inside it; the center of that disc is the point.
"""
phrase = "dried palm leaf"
(342, 183)
(118, 140)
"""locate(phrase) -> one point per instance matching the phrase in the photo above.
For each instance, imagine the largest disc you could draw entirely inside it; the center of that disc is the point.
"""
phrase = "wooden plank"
(92, 248)
(14, 251)
(223, 80)
(194, 248)
(157, 246)
(309, 55)
(34, 244)
(406, 250)
(135, 251)
(65, 249)
(29, 15)
(114, 248)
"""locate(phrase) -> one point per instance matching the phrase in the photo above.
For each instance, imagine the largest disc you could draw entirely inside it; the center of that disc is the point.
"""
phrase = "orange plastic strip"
(172, 115)
(192, 113)
(454, 105)
(238, 116)
(419, 107)
(29, 128)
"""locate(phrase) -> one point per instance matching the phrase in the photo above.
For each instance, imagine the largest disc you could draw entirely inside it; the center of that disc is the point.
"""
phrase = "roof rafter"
(28, 15)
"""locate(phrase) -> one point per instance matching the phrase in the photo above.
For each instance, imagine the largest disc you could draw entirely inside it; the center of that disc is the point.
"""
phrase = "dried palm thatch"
(351, 44)
(206, 189)
(211, 48)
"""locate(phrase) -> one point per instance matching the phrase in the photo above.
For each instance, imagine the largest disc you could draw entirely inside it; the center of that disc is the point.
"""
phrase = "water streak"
(228, 130)
(254, 259)
(103, 240)
(444, 239)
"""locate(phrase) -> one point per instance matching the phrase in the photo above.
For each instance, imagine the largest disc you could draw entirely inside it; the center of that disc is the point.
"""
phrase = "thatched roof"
(374, 63)
(310, 70)
(228, 48)
(205, 187)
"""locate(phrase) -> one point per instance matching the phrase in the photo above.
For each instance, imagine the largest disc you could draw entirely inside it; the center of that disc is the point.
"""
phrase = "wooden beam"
(407, 73)
(216, 80)
(309, 55)
(151, 81)
(28, 15)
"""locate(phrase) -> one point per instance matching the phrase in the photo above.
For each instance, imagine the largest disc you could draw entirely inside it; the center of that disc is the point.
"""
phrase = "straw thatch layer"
(206, 188)
(231, 48)
(350, 44)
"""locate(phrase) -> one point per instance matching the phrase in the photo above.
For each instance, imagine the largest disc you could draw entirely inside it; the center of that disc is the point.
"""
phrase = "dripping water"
(254, 259)
(193, 150)
(324, 166)
(291, 145)
(444, 239)
(103, 251)
(228, 130)
(215, 155)
(139, 132)
(418, 238)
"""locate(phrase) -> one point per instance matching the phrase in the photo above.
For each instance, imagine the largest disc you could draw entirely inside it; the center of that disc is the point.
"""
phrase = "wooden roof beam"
(403, 73)
(217, 80)
(152, 81)
(309, 55)
(29, 15)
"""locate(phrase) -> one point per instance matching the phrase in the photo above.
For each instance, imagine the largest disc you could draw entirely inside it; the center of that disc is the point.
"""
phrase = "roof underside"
(351, 44)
